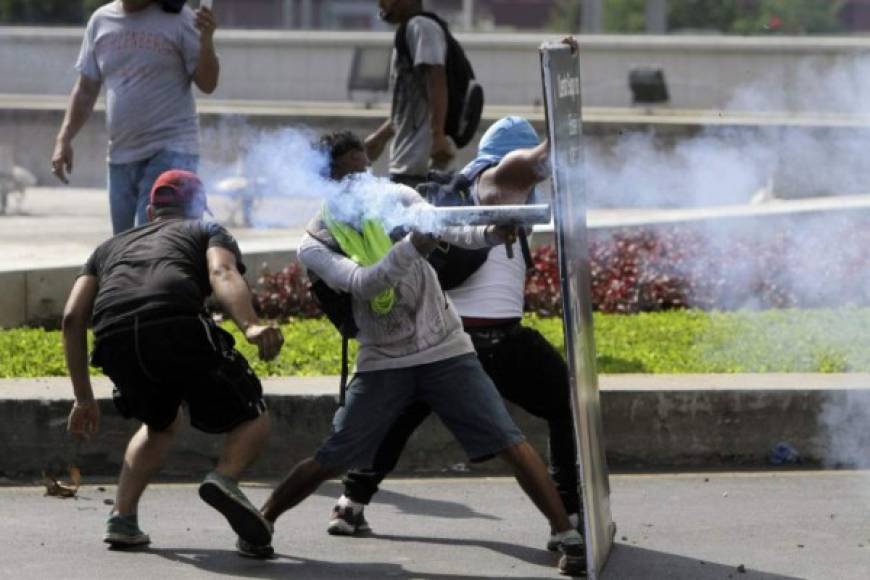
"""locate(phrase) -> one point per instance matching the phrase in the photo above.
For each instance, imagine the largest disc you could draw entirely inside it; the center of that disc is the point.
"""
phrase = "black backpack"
(452, 264)
(336, 305)
(464, 94)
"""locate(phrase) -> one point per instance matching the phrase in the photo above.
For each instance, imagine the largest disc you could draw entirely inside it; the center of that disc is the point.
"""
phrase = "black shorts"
(158, 364)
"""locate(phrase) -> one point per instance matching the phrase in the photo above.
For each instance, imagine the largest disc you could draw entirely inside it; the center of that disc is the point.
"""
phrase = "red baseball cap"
(178, 188)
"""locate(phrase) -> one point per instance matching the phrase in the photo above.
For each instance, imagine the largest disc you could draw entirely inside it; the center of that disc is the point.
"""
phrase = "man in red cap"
(144, 290)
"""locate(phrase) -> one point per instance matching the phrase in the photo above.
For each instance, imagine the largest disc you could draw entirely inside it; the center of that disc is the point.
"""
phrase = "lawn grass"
(685, 341)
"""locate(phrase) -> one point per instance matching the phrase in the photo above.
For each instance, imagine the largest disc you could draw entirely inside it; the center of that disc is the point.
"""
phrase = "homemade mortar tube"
(491, 215)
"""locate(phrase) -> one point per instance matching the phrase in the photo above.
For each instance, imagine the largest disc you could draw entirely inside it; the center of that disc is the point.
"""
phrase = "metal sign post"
(561, 78)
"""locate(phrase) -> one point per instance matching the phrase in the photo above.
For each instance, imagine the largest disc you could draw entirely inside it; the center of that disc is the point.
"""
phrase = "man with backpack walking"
(436, 103)
(525, 367)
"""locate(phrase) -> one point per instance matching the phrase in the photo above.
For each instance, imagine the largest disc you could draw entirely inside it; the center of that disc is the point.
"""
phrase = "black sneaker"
(573, 560)
(345, 522)
(249, 550)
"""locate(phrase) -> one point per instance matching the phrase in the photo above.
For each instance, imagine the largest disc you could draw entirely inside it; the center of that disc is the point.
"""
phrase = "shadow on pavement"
(634, 563)
(409, 504)
(286, 566)
(525, 553)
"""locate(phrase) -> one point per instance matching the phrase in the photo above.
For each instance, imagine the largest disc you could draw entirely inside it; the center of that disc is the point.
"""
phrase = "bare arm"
(436, 89)
(82, 100)
(512, 180)
(85, 415)
(376, 142)
(208, 67)
(233, 294)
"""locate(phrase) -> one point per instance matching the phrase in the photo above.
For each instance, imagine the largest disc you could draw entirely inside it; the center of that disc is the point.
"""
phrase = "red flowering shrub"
(806, 264)
(776, 264)
(543, 293)
(283, 294)
(637, 271)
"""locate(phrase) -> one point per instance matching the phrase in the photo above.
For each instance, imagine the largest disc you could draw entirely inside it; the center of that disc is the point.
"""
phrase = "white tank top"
(496, 289)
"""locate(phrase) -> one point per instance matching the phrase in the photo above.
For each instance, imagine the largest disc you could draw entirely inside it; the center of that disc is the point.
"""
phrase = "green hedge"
(664, 342)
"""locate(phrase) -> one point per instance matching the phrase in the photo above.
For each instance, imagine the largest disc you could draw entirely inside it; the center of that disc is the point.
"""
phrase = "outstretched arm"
(343, 274)
(233, 294)
(512, 180)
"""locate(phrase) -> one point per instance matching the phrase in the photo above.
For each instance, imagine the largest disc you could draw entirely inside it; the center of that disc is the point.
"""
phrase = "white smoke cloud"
(845, 418)
(288, 165)
(812, 140)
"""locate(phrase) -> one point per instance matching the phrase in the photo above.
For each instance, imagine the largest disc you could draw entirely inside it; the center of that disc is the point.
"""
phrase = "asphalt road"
(778, 526)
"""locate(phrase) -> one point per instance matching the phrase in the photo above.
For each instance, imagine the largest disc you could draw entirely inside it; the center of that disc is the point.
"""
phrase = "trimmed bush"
(684, 341)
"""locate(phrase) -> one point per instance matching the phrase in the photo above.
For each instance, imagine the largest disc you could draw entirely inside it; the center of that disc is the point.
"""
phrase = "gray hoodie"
(422, 327)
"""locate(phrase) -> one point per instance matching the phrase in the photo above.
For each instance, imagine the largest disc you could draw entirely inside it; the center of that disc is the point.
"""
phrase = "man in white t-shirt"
(419, 85)
(147, 55)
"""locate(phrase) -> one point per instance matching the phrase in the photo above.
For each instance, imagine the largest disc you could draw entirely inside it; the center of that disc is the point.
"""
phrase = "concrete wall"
(701, 71)
(696, 422)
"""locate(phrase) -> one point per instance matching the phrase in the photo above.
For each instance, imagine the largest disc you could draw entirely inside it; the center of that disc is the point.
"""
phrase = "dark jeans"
(527, 371)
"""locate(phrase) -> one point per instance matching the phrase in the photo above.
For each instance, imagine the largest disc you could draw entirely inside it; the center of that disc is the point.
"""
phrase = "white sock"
(575, 520)
(345, 501)
(569, 537)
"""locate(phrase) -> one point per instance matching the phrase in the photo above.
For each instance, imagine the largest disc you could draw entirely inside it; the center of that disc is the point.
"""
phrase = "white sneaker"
(347, 519)
(553, 543)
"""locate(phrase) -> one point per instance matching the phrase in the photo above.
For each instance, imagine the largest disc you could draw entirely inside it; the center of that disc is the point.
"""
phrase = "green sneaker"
(123, 532)
(224, 495)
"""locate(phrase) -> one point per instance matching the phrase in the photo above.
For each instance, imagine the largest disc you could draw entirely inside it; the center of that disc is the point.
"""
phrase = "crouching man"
(144, 290)
(412, 348)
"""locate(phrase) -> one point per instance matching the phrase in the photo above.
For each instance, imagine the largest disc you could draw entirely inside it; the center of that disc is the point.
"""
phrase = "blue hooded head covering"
(505, 135)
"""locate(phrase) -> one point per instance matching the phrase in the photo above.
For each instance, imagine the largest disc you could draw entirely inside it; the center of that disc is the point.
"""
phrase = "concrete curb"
(651, 422)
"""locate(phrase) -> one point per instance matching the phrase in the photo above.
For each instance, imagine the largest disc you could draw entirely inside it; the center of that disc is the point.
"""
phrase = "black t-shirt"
(156, 269)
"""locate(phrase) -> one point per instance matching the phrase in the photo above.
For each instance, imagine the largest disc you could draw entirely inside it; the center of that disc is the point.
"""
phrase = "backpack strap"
(318, 230)
(342, 383)
(400, 41)
(527, 252)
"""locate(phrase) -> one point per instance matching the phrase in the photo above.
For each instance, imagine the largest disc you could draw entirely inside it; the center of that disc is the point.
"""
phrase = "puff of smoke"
(288, 164)
(815, 144)
(845, 418)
